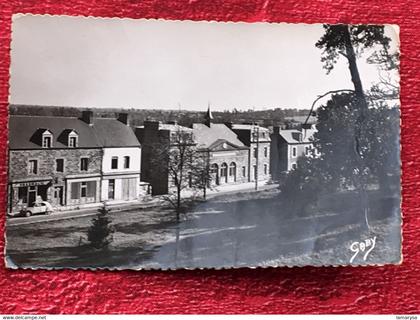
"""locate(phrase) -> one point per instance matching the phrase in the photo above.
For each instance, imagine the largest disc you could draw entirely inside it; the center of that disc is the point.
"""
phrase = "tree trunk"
(178, 202)
(354, 71)
(176, 245)
(359, 132)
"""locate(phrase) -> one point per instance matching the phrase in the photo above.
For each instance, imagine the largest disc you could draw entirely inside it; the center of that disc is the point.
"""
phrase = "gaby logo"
(365, 246)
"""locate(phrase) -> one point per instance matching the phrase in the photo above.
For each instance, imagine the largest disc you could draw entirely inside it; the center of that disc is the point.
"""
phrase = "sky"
(153, 64)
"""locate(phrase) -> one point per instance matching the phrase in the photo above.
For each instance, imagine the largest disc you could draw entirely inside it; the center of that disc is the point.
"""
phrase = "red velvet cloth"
(390, 289)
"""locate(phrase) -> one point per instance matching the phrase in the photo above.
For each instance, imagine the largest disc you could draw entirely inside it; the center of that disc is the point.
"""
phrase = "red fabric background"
(390, 289)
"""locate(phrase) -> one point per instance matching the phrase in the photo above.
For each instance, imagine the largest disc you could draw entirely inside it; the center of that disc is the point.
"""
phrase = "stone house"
(228, 157)
(258, 140)
(154, 137)
(60, 159)
(56, 159)
(287, 145)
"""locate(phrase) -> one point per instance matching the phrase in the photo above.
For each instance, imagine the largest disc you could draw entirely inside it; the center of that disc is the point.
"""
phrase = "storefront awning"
(38, 182)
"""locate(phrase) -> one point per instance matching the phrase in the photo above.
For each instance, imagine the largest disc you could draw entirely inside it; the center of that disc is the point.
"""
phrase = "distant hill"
(268, 117)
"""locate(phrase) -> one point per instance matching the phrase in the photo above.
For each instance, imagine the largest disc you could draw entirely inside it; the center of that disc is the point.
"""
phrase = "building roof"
(23, 131)
(113, 133)
(250, 133)
(240, 126)
(173, 127)
(206, 136)
(291, 136)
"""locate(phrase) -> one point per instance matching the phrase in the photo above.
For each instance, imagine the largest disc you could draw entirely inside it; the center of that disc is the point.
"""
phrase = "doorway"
(58, 195)
(31, 195)
(111, 189)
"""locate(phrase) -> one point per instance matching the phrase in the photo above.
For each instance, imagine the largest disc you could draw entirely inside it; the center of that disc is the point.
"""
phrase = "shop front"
(83, 191)
(120, 188)
(24, 194)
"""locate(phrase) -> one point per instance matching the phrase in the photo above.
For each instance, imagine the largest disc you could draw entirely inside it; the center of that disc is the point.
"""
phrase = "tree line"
(268, 117)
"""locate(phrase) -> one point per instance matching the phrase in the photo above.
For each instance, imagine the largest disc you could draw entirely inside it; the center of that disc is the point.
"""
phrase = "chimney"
(151, 125)
(124, 118)
(276, 130)
(87, 116)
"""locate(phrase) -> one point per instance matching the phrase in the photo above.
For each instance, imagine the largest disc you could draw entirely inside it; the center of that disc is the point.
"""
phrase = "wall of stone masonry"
(18, 162)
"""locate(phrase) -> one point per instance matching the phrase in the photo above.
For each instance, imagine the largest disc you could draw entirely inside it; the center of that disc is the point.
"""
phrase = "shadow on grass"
(82, 257)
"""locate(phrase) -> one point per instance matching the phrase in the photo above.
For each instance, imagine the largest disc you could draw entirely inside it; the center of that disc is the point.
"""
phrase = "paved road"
(60, 215)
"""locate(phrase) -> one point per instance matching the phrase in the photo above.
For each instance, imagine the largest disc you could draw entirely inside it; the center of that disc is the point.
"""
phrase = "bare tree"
(187, 167)
(201, 175)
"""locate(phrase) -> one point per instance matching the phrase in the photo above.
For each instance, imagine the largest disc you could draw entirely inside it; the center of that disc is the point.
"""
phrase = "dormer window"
(73, 139)
(47, 139)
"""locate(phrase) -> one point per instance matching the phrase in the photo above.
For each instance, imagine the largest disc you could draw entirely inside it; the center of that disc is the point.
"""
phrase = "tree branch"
(322, 96)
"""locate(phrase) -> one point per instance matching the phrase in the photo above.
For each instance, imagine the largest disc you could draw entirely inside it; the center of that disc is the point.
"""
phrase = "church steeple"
(208, 117)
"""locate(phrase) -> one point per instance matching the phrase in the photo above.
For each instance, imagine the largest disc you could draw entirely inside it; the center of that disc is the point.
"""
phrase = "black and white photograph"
(157, 144)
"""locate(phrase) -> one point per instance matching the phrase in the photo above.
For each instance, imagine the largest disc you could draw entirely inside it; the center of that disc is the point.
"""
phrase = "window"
(83, 189)
(126, 162)
(214, 168)
(46, 141)
(75, 190)
(294, 166)
(265, 152)
(59, 165)
(294, 151)
(307, 150)
(232, 170)
(255, 152)
(33, 166)
(111, 189)
(265, 169)
(263, 135)
(214, 171)
(223, 170)
(243, 171)
(23, 194)
(255, 171)
(114, 163)
(72, 142)
(84, 164)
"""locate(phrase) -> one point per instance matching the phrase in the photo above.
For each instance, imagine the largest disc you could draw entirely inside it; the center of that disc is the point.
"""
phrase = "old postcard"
(152, 144)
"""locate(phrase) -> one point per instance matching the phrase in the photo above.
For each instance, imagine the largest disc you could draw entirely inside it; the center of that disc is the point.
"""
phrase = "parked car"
(40, 207)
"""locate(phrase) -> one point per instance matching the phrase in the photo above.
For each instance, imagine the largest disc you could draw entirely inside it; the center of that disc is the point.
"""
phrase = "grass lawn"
(235, 230)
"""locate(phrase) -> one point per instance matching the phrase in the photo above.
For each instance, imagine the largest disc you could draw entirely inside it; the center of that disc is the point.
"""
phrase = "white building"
(287, 145)
(120, 174)
(120, 160)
